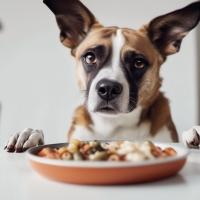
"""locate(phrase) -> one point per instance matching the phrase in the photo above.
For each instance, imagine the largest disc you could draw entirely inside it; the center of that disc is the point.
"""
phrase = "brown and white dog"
(118, 72)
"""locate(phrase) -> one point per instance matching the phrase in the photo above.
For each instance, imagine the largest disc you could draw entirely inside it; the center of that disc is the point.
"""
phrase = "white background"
(37, 74)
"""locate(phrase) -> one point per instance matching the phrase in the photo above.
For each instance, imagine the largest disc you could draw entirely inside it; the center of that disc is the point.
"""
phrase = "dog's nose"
(108, 90)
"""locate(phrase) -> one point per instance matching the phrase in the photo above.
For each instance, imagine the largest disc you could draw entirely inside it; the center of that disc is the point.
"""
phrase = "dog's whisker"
(81, 96)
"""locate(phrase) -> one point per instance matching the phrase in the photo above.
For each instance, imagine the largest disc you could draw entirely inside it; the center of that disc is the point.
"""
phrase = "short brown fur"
(81, 117)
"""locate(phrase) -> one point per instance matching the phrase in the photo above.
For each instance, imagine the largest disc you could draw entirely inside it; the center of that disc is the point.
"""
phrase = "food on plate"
(110, 151)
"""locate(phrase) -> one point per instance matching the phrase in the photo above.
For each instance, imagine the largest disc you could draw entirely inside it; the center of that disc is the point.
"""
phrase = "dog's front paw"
(191, 137)
(21, 141)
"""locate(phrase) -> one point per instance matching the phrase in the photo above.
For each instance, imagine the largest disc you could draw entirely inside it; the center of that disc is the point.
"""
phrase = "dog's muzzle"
(109, 93)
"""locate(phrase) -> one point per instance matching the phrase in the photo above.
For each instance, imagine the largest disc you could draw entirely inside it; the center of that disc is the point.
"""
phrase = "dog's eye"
(90, 58)
(139, 63)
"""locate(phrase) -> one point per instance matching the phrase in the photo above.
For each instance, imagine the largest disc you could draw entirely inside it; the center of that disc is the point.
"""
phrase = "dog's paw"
(191, 137)
(21, 141)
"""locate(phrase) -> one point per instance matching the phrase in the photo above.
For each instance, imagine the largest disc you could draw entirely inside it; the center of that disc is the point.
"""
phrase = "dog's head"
(118, 69)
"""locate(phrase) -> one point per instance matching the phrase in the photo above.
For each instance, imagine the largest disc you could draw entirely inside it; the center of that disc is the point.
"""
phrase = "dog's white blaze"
(111, 72)
(117, 73)
(117, 44)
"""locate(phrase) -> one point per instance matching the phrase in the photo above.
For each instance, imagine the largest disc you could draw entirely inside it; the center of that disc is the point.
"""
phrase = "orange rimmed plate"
(107, 172)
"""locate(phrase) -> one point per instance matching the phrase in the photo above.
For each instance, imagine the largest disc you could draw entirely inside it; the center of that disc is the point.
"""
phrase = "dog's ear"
(167, 31)
(73, 19)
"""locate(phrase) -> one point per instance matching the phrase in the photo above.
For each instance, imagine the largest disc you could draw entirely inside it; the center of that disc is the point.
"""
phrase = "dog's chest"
(124, 127)
(120, 127)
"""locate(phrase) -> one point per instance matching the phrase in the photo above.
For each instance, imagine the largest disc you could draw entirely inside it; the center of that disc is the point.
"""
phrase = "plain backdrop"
(38, 86)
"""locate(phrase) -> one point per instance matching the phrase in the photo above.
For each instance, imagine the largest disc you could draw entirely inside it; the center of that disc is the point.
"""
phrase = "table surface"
(19, 181)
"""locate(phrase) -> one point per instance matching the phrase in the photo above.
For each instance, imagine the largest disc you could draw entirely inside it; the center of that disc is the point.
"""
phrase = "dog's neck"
(112, 124)
(123, 127)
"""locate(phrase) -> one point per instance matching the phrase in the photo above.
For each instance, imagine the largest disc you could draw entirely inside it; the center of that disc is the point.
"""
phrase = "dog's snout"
(108, 90)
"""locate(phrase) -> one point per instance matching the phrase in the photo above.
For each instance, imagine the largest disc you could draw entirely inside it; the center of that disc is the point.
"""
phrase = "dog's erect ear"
(74, 20)
(167, 31)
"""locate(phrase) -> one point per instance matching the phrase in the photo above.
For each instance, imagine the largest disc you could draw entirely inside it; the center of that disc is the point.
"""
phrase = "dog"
(118, 73)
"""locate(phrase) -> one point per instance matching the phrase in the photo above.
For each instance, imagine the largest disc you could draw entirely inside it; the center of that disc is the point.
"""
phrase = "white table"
(18, 181)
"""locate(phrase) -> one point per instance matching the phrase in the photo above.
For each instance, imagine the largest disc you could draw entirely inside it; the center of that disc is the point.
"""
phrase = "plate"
(107, 172)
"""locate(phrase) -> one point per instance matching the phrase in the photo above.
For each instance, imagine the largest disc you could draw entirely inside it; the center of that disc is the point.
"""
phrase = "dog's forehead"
(96, 37)
(133, 40)
(139, 42)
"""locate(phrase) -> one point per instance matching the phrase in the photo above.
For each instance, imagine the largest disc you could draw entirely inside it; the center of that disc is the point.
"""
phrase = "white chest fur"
(123, 127)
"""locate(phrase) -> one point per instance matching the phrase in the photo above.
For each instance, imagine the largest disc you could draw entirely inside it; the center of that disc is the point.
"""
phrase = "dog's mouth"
(108, 110)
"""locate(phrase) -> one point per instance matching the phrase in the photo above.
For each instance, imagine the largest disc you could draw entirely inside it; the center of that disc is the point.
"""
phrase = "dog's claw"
(19, 149)
(10, 148)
